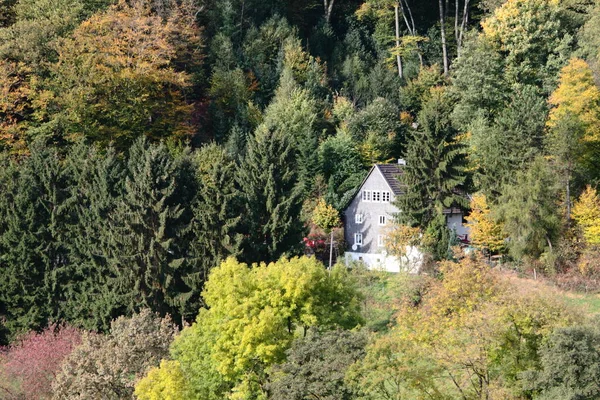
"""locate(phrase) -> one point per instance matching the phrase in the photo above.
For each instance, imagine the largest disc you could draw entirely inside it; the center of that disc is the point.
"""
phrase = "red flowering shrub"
(28, 366)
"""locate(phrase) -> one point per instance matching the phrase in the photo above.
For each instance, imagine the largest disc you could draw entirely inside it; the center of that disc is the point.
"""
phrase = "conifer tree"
(216, 212)
(96, 187)
(150, 228)
(32, 251)
(273, 198)
(435, 168)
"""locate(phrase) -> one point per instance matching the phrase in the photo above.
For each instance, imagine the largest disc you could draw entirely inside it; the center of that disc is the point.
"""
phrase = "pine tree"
(216, 213)
(149, 249)
(272, 195)
(95, 189)
(32, 237)
(435, 169)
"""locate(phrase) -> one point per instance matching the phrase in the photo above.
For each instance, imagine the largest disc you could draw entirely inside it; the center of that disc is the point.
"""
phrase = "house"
(368, 218)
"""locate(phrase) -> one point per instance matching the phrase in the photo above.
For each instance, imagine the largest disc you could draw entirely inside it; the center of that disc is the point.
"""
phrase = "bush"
(28, 366)
(108, 366)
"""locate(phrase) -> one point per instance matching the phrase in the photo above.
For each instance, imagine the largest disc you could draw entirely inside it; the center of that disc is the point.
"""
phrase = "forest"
(164, 163)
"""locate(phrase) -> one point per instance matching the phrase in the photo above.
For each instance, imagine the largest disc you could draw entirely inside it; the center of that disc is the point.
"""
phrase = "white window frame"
(367, 195)
(380, 240)
(358, 218)
(385, 197)
(382, 220)
(376, 196)
(358, 239)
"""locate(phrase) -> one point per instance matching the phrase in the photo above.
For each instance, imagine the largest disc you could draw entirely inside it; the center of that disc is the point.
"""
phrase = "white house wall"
(371, 211)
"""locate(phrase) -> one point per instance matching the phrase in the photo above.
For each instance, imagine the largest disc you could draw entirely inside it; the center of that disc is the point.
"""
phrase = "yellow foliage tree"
(577, 96)
(485, 231)
(586, 212)
(399, 241)
(164, 383)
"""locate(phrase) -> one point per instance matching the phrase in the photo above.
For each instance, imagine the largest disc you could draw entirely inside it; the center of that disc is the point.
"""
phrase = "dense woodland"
(161, 162)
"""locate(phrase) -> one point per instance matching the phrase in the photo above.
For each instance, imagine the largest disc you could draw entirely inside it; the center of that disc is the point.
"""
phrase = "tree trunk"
(398, 58)
(328, 6)
(411, 26)
(463, 25)
(443, 32)
(331, 250)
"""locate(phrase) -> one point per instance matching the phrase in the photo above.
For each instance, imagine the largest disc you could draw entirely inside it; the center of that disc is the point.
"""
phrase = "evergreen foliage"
(436, 165)
(272, 198)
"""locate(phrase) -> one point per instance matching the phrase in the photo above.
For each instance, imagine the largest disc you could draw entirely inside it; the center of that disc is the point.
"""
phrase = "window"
(382, 220)
(376, 196)
(358, 239)
(358, 218)
(366, 195)
(385, 197)
(381, 240)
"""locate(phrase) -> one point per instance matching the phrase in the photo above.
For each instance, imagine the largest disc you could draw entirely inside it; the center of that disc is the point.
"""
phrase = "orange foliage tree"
(119, 75)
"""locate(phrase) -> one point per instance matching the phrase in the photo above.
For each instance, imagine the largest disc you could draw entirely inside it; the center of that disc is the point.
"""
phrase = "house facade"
(369, 217)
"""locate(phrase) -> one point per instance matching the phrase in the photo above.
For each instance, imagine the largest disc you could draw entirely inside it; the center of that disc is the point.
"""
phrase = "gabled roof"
(391, 173)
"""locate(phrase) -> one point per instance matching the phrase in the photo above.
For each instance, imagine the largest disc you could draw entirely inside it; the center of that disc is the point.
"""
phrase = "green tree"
(570, 364)
(315, 367)
(435, 167)
(149, 250)
(32, 239)
(272, 196)
(253, 316)
(529, 211)
(216, 221)
(95, 189)
(294, 113)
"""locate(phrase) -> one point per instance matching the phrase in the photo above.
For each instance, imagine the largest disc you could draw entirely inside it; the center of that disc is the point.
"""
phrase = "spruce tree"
(95, 190)
(32, 238)
(272, 195)
(435, 170)
(149, 229)
(216, 212)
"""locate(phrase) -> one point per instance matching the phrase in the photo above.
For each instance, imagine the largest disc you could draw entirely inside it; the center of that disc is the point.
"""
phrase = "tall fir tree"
(216, 213)
(436, 165)
(273, 197)
(32, 236)
(95, 189)
(150, 231)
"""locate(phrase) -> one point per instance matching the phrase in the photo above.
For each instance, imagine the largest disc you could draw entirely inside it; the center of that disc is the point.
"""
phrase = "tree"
(586, 212)
(570, 364)
(33, 360)
(272, 196)
(95, 189)
(216, 222)
(574, 124)
(123, 61)
(293, 112)
(326, 217)
(253, 316)
(530, 34)
(435, 169)
(32, 239)
(529, 213)
(172, 384)
(485, 231)
(108, 366)
(149, 254)
(315, 367)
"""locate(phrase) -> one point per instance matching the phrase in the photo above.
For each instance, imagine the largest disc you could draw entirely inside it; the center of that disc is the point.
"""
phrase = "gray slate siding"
(371, 211)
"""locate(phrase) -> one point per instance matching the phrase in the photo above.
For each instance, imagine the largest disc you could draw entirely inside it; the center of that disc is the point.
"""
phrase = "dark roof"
(391, 173)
